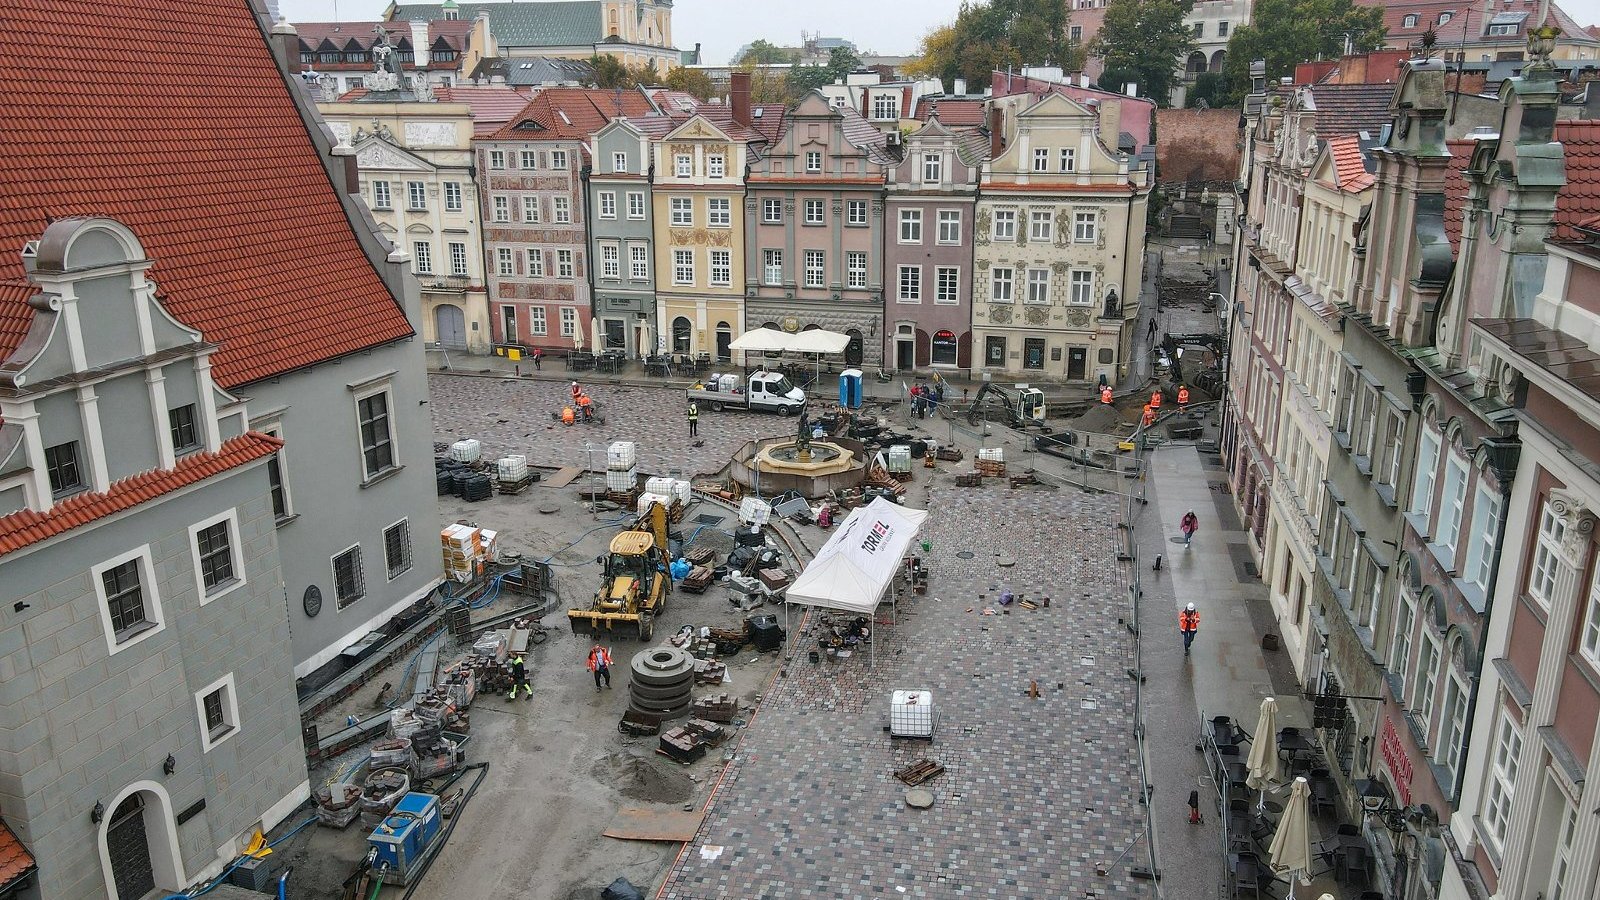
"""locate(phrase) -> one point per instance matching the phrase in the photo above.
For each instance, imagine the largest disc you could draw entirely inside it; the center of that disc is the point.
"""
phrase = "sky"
(886, 27)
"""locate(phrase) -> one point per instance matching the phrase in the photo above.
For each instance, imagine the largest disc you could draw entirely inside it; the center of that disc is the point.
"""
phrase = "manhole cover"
(549, 508)
(917, 798)
(704, 519)
(965, 554)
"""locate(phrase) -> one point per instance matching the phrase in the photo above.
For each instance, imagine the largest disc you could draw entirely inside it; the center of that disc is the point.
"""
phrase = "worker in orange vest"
(1105, 394)
(1183, 396)
(1188, 624)
(568, 416)
(1155, 399)
(1149, 416)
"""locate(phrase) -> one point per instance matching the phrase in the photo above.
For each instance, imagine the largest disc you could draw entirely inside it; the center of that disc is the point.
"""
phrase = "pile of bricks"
(688, 742)
(716, 708)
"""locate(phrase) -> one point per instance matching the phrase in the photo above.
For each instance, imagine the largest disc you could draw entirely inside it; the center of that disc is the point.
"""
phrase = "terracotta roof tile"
(15, 860)
(1351, 108)
(1579, 199)
(567, 114)
(492, 106)
(1455, 190)
(20, 529)
(1466, 19)
(1349, 164)
(956, 113)
(224, 188)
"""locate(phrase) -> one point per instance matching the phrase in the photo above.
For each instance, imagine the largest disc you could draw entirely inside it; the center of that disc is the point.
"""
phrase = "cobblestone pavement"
(513, 416)
(1037, 793)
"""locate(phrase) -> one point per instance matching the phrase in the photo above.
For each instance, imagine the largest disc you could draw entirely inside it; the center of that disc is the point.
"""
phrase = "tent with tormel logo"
(854, 569)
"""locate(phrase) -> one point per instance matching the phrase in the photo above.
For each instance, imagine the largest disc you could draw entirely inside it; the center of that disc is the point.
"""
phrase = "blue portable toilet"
(850, 388)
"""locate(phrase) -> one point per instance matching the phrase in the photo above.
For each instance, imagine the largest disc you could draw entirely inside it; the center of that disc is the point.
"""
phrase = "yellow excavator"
(635, 582)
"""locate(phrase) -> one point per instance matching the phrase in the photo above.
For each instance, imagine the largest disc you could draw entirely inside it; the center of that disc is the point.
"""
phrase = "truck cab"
(761, 390)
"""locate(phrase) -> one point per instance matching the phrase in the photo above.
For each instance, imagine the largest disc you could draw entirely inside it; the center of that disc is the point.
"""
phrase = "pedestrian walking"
(600, 665)
(1189, 525)
(519, 677)
(694, 419)
(538, 357)
(1188, 624)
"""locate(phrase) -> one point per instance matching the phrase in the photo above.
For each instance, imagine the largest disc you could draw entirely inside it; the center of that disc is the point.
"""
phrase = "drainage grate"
(708, 519)
(965, 554)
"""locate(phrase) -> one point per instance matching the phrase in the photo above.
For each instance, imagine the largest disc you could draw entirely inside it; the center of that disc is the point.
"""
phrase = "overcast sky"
(888, 27)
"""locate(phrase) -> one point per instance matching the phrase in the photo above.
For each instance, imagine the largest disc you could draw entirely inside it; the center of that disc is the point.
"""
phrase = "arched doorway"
(1218, 59)
(682, 332)
(944, 348)
(852, 351)
(129, 846)
(1195, 65)
(724, 339)
(138, 843)
(450, 327)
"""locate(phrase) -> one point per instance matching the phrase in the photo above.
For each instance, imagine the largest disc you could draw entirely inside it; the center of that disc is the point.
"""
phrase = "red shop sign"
(1399, 763)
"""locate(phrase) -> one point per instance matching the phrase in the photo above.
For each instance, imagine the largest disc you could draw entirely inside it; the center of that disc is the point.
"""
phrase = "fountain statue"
(802, 444)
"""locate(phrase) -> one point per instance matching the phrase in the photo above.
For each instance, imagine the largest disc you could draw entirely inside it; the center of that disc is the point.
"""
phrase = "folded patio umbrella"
(1263, 761)
(1290, 852)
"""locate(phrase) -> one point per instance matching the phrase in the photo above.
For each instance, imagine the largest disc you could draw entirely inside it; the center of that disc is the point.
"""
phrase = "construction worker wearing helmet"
(1188, 624)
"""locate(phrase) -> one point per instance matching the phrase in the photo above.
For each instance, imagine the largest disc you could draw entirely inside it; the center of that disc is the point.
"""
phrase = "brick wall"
(1196, 144)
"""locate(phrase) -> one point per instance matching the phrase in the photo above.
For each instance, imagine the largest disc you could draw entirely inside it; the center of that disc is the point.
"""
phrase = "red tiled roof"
(956, 113)
(25, 527)
(1349, 165)
(1351, 108)
(586, 110)
(222, 186)
(1467, 20)
(1455, 190)
(1579, 199)
(15, 860)
(492, 106)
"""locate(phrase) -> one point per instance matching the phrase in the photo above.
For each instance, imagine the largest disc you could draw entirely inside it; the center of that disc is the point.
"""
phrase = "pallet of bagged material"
(990, 468)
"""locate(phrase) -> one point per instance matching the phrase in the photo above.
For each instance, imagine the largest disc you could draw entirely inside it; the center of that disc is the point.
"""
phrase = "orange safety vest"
(1183, 396)
(599, 657)
(1188, 621)
(1105, 395)
(1155, 399)
(1149, 416)
(568, 416)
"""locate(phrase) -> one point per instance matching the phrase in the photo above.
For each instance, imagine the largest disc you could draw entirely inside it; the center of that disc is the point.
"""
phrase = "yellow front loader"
(634, 583)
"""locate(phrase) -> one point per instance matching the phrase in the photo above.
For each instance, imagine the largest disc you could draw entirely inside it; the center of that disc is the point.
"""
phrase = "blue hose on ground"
(239, 862)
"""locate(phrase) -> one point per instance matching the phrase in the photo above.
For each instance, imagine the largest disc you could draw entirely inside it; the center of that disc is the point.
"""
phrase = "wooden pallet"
(969, 479)
(990, 467)
(919, 771)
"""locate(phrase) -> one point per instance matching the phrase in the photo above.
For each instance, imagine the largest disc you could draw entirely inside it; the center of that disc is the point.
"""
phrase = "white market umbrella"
(1263, 761)
(1290, 852)
(819, 341)
(762, 340)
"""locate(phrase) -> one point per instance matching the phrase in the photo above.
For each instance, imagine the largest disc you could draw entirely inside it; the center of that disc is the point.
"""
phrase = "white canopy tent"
(769, 340)
(854, 569)
(761, 340)
(818, 341)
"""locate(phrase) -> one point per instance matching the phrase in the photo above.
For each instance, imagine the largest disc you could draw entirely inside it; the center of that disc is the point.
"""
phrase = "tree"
(842, 61)
(1209, 88)
(691, 81)
(1288, 32)
(805, 79)
(611, 72)
(766, 85)
(761, 52)
(997, 34)
(1147, 41)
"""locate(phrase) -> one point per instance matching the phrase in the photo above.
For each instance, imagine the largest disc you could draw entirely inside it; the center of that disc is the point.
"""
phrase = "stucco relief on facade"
(1000, 313)
(1036, 315)
(1078, 318)
(700, 238)
(379, 156)
(982, 233)
(430, 134)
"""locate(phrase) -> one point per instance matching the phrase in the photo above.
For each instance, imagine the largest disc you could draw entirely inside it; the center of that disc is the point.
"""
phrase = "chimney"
(739, 97)
(286, 42)
(1133, 89)
(997, 141)
(961, 87)
(1083, 80)
(419, 45)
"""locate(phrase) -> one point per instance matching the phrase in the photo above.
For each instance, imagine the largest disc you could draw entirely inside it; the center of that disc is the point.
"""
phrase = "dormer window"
(185, 434)
(1445, 17)
(1410, 21)
(61, 464)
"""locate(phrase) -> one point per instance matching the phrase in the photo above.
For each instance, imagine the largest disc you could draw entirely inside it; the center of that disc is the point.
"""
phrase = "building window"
(683, 165)
(1410, 21)
(1199, 30)
(1453, 723)
(772, 211)
(128, 596)
(813, 161)
(558, 159)
(1082, 288)
(610, 261)
(1507, 755)
(530, 159)
(947, 285)
(1041, 227)
(814, 212)
(185, 434)
(719, 212)
(216, 555)
(772, 266)
(1069, 159)
(715, 167)
(683, 267)
(1222, 29)
(535, 263)
(682, 210)
(1547, 555)
(1005, 224)
(452, 196)
(564, 267)
(569, 321)
(1038, 285)
(1405, 621)
(277, 486)
(949, 226)
(502, 209)
(856, 212)
(1033, 353)
(1481, 537)
(497, 159)
(608, 204)
(458, 258)
(377, 440)
(536, 321)
(816, 269)
(635, 205)
(423, 253)
(380, 195)
(530, 209)
(218, 709)
(503, 261)
(910, 284)
(932, 167)
(619, 161)
(1427, 472)
(416, 196)
(1083, 227)
(1561, 868)
(1450, 507)
(1041, 159)
(397, 548)
(722, 267)
(910, 226)
(855, 269)
(563, 210)
(639, 262)
(885, 106)
(1445, 17)
(1000, 285)
(349, 584)
(1427, 682)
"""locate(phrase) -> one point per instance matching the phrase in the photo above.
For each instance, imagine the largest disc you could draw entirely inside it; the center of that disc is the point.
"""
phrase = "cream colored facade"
(699, 237)
(1060, 227)
(415, 162)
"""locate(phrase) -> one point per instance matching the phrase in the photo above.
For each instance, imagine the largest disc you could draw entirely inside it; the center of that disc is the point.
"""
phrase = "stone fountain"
(802, 463)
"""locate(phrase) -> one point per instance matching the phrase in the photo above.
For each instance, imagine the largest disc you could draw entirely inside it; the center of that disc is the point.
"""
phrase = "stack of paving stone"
(663, 679)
